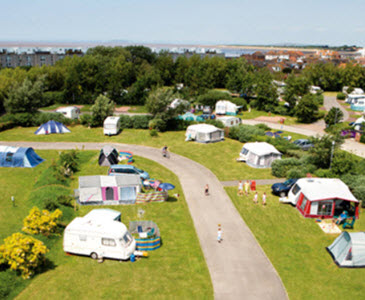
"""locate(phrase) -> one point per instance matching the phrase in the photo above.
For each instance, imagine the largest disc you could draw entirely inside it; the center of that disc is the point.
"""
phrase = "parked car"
(303, 144)
(115, 170)
(282, 188)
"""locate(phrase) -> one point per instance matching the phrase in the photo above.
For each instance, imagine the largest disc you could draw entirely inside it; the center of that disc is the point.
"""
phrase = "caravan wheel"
(94, 255)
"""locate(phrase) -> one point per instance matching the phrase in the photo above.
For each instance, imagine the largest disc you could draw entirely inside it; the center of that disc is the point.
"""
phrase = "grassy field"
(87, 107)
(296, 248)
(246, 115)
(218, 157)
(176, 270)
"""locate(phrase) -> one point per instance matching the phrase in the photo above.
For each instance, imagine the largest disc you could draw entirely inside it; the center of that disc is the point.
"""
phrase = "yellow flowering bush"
(22, 253)
(41, 222)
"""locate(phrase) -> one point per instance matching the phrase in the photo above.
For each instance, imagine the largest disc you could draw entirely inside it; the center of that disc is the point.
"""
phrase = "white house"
(204, 133)
(71, 112)
(259, 154)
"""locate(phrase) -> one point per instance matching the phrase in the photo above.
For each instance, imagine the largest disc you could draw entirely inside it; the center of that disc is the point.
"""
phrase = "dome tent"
(19, 157)
(108, 156)
(52, 127)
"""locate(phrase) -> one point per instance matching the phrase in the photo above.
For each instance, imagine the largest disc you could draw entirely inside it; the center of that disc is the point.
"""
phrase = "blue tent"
(19, 157)
(52, 127)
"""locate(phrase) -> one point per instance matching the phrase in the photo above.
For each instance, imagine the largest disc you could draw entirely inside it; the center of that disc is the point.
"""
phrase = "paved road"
(330, 101)
(238, 267)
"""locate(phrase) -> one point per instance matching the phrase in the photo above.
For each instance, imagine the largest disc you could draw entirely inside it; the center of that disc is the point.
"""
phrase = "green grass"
(176, 270)
(138, 109)
(296, 248)
(334, 94)
(220, 157)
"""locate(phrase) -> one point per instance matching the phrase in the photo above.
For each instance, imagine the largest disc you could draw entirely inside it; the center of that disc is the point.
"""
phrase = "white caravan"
(71, 112)
(99, 234)
(111, 125)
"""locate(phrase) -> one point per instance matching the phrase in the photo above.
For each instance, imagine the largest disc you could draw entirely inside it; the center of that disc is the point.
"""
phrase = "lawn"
(296, 247)
(176, 270)
(220, 157)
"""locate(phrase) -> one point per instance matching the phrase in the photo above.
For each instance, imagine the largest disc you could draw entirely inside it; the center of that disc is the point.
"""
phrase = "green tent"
(348, 250)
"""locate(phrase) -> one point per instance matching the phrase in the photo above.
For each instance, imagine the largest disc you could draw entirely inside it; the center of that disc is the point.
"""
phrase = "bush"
(6, 125)
(157, 124)
(86, 120)
(141, 122)
(153, 133)
(281, 144)
(44, 222)
(296, 173)
(50, 98)
(177, 124)
(240, 102)
(281, 110)
(362, 139)
(45, 117)
(65, 200)
(319, 98)
(245, 133)
(343, 163)
(356, 184)
(341, 96)
(23, 254)
(69, 162)
(263, 126)
(324, 173)
(215, 123)
(280, 167)
(51, 204)
(126, 121)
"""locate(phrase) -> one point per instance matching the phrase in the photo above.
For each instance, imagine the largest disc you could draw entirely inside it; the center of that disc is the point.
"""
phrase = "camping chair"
(151, 233)
(349, 223)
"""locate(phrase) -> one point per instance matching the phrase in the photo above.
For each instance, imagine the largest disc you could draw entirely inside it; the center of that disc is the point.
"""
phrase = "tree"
(158, 101)
(296, 87)
(211, 97)
(102, 108)
(334, 116)
(321, 152)
(343, 163)
(266, 93)
(25, 97)
(41, 222)
(22, 253)
(306, 110)
(68, 162)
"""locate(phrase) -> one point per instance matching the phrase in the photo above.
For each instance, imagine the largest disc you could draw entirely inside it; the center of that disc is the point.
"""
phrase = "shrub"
(215, 123)
(319, 98)
(86, 120)
(280, 167)
(69, 162)
(240, 102)
(22, 253)
(281, 110)
(343, 163)
(245, 133)
(153, 133)
(44, 222)
(24, 119)
(324, 173)
(50, 98)
(296, 173)
(157, 124)
(281, 144)
(177, 124)
(51, 204)
(263, 126)
(126, 121)
(6, 125)
(45, 117)
(362, 139)
(140, 122)
(65, 200)
(341, 96)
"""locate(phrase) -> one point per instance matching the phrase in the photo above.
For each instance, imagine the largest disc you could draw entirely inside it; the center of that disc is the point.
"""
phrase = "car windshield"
(288, 182)
(139, 170)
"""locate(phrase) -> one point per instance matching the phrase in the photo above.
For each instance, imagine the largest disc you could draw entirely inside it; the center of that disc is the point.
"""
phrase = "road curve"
(238, 267)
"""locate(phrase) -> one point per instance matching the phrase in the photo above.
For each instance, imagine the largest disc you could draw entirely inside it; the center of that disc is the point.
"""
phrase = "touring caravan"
(111, 125)
(71, 112)
(99, 235)
(229, 121)
(224, 107)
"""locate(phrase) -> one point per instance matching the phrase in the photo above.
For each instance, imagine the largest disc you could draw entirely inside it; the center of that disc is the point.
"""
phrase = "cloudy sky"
(332, 22)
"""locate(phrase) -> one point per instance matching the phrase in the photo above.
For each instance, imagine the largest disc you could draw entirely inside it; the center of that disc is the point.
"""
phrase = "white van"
(112, 125)
(99, 235)
(71, 112)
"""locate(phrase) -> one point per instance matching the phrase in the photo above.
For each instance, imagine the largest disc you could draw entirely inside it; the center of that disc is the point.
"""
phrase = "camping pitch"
(52, 127)
(259, 154)
(19, 157)
(348, 250)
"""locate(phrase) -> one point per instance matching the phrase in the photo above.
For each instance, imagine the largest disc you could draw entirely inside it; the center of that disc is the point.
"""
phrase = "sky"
(325, 22)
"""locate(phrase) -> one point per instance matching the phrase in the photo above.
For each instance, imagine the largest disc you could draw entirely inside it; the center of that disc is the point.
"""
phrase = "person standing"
(255, 198)
(264, 199)
(206, 190)
(247, 187)
(240, 188)
(219, 234)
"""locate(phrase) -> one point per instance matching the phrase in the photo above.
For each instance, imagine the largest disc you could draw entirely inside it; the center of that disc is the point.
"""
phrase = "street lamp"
(332, 149)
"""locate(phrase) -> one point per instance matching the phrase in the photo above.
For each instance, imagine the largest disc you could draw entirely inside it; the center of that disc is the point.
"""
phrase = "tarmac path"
(238, 267)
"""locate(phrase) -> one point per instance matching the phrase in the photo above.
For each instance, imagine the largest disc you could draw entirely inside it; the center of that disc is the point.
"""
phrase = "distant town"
(276, 59)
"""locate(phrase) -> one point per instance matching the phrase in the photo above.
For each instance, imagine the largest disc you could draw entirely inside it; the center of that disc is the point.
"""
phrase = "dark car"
(303, 144)
(282, 188)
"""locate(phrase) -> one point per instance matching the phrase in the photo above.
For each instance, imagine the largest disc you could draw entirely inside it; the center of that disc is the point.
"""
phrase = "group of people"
(246, 186)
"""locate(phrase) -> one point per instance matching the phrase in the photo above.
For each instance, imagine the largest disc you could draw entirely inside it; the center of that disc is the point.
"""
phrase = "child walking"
(240, 188)
(264, 199)
(219, 237)
(255, 198)
(206, 190)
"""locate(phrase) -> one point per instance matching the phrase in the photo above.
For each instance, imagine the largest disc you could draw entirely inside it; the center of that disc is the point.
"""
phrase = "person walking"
(255, 198)
(240, 188)
(164, 151)
(206, 190)
(247, 187)
(264, 199)
(219, 234)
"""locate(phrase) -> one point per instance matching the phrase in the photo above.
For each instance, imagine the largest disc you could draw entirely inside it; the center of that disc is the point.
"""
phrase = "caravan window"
(82, 237)
(304, 202)
(9, 156)
(108, 242)
(244, 151)
(127, 239)
(296, 189)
